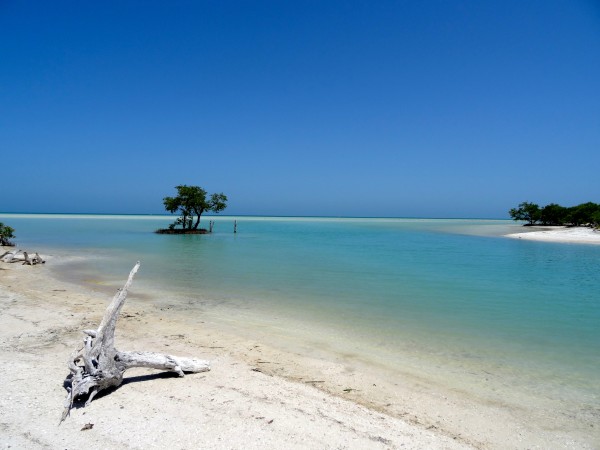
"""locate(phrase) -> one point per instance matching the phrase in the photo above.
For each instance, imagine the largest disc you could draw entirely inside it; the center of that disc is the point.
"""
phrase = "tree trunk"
(199, 213)
(98, 365)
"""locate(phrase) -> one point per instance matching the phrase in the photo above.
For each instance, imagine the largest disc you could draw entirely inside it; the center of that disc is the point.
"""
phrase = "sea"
(452, 300)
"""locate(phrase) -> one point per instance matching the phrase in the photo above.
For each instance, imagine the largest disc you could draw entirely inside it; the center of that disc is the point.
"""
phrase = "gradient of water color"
(450, 299)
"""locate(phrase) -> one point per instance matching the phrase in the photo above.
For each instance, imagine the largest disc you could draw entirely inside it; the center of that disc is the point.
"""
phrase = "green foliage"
(554, 214)
(596, 219)
(582, 214)
(191, 202)
(6, 233)
(529, 212)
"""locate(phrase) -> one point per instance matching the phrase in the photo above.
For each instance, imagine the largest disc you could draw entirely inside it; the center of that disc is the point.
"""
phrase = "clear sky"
(358, 108)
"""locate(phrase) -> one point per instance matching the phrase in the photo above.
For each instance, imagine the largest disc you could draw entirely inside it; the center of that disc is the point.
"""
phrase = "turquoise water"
(414, 293)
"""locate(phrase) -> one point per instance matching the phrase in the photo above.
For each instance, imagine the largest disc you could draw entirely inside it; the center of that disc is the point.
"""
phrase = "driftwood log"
(98, 365)
(10, 256)
(15, 256)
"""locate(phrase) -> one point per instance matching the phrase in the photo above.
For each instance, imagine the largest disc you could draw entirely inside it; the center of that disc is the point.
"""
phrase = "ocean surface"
(451, 300)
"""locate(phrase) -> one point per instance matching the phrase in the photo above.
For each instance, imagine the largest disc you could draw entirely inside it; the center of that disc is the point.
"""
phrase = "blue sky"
(357, 108)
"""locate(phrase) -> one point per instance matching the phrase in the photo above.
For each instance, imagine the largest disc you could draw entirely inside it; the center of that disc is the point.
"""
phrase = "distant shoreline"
(560, 234)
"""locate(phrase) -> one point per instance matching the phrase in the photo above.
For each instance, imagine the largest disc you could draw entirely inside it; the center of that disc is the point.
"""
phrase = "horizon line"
(291, 216)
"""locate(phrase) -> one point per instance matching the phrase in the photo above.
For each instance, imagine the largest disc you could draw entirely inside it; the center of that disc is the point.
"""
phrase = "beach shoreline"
(559, 234)
(255, 388)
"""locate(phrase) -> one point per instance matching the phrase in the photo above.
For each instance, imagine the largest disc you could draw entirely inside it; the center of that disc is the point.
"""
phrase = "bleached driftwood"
(15, 256)
(26, 259)
(101, 366)
(9, 256)
(37, 259)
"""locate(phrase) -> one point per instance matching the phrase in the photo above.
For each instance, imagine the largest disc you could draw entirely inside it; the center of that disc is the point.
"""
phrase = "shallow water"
(447, 299)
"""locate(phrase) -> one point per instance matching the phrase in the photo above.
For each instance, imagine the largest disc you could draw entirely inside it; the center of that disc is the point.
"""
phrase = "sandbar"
(573, 235)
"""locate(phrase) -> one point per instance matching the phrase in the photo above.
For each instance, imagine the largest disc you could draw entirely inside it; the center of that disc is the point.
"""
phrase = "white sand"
(575, 235)
(255, 396)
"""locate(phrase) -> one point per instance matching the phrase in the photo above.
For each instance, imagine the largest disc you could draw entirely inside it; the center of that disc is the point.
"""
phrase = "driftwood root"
(98, 365)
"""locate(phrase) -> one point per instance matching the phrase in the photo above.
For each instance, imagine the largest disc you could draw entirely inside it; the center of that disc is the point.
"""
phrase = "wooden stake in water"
(235, 226)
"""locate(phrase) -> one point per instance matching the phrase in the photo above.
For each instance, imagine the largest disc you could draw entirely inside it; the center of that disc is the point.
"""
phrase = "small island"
(583, 215)
(190, 202)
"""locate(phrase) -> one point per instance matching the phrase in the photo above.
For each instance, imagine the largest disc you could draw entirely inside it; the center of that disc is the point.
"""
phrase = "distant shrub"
(586, 214)
(6, 233)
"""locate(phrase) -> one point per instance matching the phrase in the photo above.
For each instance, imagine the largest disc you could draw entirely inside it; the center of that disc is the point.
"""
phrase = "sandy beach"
(572, 235)
(255, 396)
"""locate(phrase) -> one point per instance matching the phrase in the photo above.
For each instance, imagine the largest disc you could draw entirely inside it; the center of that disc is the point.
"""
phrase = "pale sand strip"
(233, 405)
(574, 235)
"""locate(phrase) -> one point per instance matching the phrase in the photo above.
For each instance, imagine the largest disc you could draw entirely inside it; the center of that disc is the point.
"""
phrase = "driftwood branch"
(98, 365)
